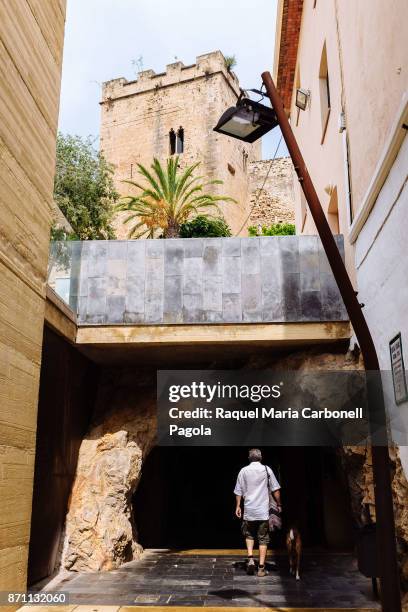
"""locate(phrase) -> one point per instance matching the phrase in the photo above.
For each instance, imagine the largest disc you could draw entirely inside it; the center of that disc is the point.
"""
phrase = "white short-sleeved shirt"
(253, 487)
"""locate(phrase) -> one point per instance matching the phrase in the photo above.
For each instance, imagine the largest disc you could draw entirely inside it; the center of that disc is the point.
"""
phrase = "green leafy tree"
(84, 189)
(168, 198)
(276, 229)
(205, 227)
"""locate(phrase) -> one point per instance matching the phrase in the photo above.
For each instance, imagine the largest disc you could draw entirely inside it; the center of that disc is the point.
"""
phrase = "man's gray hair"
(255, 454)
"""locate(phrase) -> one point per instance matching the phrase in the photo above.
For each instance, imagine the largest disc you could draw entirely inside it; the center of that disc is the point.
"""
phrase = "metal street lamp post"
(258, 123)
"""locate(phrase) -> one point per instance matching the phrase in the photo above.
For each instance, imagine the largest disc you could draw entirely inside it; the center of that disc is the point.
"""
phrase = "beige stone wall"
(31, 40)
(272, 192)
(137, 116)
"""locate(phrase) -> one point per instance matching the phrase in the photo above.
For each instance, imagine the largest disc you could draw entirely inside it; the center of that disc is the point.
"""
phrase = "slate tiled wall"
(209, 280)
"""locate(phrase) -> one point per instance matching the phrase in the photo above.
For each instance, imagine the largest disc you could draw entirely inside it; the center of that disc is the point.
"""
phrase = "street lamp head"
(247, 121)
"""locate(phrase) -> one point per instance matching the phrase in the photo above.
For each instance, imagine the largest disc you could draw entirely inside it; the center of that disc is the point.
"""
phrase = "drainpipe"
(343, 126)
(386, 543)
(346, 162)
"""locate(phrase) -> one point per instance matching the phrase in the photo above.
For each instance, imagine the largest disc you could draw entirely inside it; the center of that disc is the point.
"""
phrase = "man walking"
(252, 485)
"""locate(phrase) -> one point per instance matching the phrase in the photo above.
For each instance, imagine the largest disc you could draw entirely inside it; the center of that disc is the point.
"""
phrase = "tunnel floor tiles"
(167, 579)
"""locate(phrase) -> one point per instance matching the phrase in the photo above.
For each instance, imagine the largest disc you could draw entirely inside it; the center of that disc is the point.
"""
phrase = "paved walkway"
(159, 578)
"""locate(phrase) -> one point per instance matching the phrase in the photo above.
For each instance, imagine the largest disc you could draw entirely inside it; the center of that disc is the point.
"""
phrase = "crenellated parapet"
(148, 80)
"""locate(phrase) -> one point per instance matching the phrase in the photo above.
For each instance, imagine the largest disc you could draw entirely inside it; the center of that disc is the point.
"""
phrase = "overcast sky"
(107, 39)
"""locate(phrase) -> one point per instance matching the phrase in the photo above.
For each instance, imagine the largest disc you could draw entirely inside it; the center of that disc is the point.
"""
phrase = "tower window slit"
(176, 141)
(172, 141)
(180, 140)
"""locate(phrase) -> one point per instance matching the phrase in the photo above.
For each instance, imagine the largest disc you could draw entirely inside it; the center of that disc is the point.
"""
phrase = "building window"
(333, 211)
(176, 141)
(172, 141)
(131, 171)
(324, 87)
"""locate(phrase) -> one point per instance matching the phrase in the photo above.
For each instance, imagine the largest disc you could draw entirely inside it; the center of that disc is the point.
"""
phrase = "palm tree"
(230, 62)
(169, 198)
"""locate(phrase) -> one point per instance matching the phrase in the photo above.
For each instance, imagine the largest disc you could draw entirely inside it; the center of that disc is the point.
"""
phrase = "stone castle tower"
(174, 112)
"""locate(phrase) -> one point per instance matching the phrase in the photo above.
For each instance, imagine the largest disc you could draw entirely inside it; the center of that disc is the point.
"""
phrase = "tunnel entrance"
(185, 497)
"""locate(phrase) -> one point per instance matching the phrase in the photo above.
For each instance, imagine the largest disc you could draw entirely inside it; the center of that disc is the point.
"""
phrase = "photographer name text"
(207, 414)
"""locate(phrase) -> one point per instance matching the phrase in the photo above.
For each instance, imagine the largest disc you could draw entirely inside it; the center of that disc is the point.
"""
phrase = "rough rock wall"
(358, 466)
(273, 202)
(357, 460)
(100, 532)
(400, 491)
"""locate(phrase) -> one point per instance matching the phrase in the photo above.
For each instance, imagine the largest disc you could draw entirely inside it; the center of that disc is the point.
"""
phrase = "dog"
(294, 547)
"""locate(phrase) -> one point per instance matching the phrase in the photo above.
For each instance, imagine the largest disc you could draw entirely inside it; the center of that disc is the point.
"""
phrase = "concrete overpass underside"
(194, 343)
